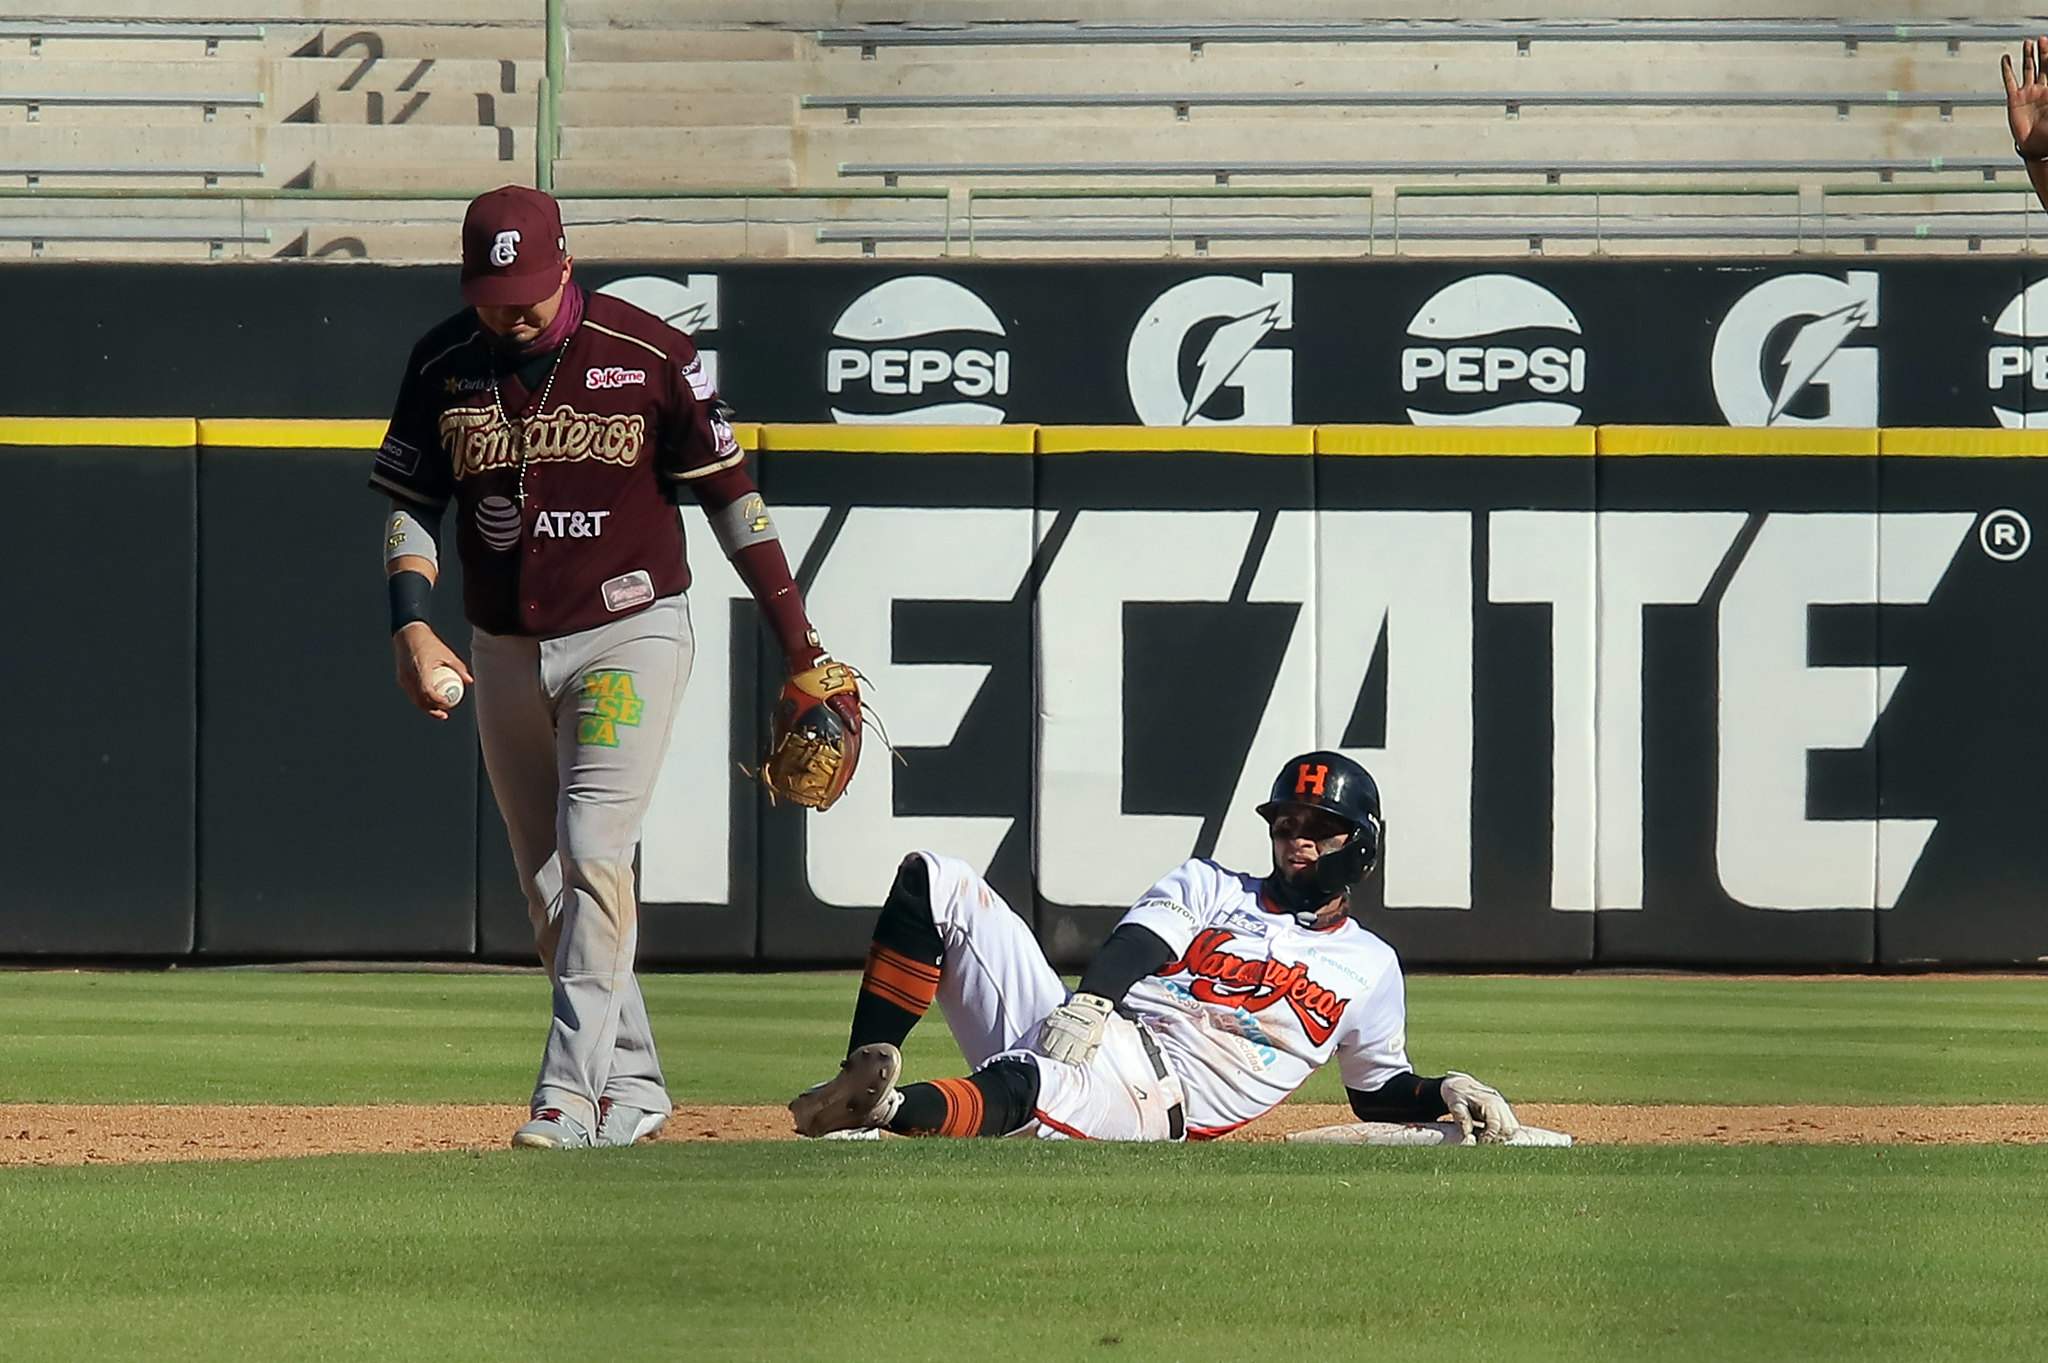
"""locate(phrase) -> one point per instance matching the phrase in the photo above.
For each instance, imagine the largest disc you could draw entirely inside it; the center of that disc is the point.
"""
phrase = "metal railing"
(1813, 217)
(1510, 102)
(240, 229)
(1851, 34)
(1172, 199)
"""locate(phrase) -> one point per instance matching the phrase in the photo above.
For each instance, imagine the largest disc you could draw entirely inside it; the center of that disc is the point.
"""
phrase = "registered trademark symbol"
(2005, 534)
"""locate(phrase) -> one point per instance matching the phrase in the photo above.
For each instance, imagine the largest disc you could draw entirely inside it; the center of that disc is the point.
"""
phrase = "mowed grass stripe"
(261, 1037)
(938, 1251)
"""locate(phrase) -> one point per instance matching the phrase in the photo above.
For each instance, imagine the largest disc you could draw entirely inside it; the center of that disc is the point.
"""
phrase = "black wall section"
(1699, 719)
(1963, 740)
(1162, 554)
(276, 338)
(96, 822)
(335, 819)
(1515, 671)
(1860, 343)
(918, 574)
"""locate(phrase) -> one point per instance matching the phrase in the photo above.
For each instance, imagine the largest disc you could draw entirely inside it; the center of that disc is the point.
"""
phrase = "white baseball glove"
(1072, 1031)
(1475, 1105)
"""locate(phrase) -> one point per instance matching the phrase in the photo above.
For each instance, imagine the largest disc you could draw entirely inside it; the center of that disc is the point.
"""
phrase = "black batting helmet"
(1335, 784)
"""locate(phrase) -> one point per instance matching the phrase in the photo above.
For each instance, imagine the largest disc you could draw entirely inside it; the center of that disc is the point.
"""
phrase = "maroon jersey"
(580, 527)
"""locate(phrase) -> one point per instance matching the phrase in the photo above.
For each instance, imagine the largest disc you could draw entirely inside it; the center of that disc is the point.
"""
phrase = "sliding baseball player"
(1216, 997)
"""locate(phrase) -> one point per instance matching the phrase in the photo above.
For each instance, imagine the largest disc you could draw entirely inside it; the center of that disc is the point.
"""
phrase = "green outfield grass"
(257, 1037)
(903, 1252)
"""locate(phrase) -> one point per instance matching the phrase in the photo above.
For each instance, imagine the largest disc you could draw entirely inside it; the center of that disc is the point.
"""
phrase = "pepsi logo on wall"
(1812, 342)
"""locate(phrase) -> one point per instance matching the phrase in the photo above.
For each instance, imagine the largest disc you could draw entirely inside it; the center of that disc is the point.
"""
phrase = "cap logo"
(505, 249)
(1311, 779)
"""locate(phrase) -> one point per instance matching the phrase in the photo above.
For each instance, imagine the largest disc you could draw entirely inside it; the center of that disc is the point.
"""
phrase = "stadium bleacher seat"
(378, 95)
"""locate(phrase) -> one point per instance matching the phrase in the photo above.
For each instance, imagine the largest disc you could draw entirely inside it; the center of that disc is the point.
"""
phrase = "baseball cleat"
(551, 1130)
(862, 1095)
(623, 1124)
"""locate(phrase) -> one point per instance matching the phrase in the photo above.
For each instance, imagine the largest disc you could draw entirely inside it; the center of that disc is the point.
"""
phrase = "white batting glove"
(1474, 1104)
(1072, 1031)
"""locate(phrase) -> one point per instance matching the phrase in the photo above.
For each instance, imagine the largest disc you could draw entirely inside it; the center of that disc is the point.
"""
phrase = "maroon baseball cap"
(512, 248)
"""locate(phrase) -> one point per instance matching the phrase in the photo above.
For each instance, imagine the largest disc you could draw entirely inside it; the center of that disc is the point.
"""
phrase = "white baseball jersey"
(1254, 1003)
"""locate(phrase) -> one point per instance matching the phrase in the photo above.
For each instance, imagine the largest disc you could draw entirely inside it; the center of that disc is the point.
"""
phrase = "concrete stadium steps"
(675, 172)
(733, 146)
(1100, 73)
(52, 116)
(413, 41)
(679, 108)
(831, 13)
(472, 176)
(1534, 137)
(285, 82)
(603, 42)
(1111, 72)
(284, 152)
(1731, 124)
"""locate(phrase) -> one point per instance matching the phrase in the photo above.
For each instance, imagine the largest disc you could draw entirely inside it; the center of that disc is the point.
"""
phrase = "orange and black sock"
(902, 974)
(990, 1102)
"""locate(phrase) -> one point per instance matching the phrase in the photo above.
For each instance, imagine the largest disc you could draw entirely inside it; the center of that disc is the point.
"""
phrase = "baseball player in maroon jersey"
(561, 426)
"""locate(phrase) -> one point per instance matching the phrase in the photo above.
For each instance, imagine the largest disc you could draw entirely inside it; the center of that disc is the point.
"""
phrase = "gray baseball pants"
(574, 730)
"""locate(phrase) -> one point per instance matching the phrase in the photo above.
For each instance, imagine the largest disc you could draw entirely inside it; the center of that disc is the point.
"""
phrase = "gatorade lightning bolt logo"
(1255, 986)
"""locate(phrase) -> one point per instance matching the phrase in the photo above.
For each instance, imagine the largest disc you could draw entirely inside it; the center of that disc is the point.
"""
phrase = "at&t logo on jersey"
(497, 521)
(569, 525)
(1201, 355)
(941, 379)
(1782, 355)
(1255, 985)
(611, 376)
(1521, 359)
(2021, 367)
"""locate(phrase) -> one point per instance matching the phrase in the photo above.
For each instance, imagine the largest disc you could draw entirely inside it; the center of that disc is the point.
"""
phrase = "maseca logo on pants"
(1520, 360)
(916, 356)
(1783, 357)
(1202, 354)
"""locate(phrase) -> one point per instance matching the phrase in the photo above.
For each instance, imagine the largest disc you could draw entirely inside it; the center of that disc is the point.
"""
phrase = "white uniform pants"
(996, 986)
(574, 730)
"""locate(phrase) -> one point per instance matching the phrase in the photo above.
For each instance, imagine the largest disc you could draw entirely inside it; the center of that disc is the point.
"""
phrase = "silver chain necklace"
(518, 428)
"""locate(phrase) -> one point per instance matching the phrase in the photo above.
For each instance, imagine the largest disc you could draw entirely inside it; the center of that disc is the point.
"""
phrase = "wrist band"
(408, 592)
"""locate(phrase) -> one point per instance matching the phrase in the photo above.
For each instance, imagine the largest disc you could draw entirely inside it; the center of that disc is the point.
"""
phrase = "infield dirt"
(52, 1134)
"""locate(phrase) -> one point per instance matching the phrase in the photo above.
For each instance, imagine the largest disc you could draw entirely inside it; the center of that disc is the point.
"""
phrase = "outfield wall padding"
(1637, 695)
(1893, 342)
(98, 811)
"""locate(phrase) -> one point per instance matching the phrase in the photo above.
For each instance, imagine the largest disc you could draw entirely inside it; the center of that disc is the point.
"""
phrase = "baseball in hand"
(445, 686)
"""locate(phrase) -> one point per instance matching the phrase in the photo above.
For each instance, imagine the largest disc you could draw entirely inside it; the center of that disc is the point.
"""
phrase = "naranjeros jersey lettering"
(1254, 1004)
(629, 418)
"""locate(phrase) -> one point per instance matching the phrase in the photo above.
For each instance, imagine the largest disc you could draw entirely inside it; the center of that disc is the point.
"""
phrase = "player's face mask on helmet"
(1340, 854)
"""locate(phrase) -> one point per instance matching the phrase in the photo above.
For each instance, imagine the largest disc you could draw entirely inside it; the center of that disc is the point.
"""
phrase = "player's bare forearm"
(413, 563)
(2037, 175)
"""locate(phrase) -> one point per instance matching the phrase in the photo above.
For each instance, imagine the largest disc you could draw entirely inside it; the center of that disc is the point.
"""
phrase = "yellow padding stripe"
(258, 433)
(262, 434)
(108, 432)
(898, 439)
(1738, 440)
(1963, 443)
(1569, 441)
(1223, 439)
